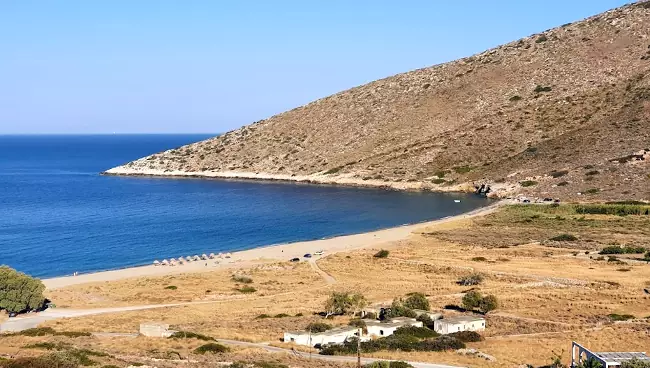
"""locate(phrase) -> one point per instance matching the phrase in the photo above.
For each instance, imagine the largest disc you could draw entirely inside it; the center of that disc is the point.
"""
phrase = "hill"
(563, 113)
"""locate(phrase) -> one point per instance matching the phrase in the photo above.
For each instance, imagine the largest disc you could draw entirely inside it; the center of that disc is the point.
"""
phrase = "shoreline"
(313, 179)
(267, 254)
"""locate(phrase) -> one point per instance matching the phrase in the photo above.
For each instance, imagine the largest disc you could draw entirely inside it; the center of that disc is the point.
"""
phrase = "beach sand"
(281, 252)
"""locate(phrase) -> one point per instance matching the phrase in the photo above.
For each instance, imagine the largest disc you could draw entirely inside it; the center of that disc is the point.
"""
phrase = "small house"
(383, 329)
(334, 336)
(155, 329)
(459, 323)
(579, 354)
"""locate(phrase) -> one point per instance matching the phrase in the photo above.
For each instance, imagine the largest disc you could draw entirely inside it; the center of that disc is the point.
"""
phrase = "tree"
(416, 301)
(398, 309)
(344, 303)
(19, 292)
(488, 303)
(472, 299)
(590, 363)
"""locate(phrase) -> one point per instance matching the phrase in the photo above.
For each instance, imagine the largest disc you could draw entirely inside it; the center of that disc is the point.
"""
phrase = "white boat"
(457, 200)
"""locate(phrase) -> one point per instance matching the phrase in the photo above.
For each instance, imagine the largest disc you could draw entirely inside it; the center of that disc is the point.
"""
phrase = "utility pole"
(310, 345)
(359, 349)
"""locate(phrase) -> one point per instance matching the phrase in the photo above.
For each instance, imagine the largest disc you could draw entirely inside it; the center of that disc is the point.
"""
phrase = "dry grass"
(548, 294)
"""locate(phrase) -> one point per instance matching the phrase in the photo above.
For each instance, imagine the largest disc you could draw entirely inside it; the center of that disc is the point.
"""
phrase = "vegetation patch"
(479, 259)
(190, 335)
(211, 348)
(473, 300)
(171, 287)
(559, 174)
(462, 169)
(49, 331)
(466, 336)
(540, 89)
(470, 280)
(316, 327)
(564, 237)
(613, 209)
(242, 279)
(528, 183)
(620, 317)
(246, 289)
(438, 181)
(617, 249)
(20, 292)
(382, 254)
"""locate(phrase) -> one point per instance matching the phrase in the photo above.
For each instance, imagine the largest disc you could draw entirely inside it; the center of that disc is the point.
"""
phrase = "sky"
(203, 66)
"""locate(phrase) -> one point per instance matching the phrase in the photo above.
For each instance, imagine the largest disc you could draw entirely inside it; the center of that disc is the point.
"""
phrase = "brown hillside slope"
(575, 98)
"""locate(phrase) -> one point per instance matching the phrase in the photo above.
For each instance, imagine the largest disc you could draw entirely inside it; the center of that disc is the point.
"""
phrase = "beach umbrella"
(220, 255)
(211, 255)
(197, 258)
(156, 263)
(172, 260)
(172, 263)
(189, 258)
(164, 262)
(181, 259)
(204, 256)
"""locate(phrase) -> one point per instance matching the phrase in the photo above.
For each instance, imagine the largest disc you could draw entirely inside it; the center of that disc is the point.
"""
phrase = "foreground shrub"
(470, 280)
(564, 237)
(395, 342)
(635, 363)
(57, 360)
(527, 183)
(474, 300)
(316, 327)
(246, 290)
(613, 209)
(620, 317)
(358, 323)
(242, 279)
(466, 336)
(211, 348)
(190, 335)
(382, 254)
(19, 292)
(479, 259)
(49, 331)
(615, 249)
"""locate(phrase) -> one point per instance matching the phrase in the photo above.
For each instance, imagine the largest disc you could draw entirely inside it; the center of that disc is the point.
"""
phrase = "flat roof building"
(459, 323)
(608, 359)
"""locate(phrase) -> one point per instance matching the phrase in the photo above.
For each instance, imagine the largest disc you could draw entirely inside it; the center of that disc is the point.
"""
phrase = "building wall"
(155, 330)
(323, 339)
(443, 327)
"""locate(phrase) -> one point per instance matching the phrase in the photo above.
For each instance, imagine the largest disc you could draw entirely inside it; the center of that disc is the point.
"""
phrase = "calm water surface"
(58, 215)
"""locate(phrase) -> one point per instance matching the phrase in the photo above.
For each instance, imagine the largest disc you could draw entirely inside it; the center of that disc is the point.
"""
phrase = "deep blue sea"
(58, 215)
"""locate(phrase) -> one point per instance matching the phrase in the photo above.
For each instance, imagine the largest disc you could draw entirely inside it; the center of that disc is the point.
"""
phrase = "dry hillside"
(565, 112)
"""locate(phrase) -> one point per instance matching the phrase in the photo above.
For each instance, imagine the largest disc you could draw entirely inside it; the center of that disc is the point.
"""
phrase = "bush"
(592, 191)
(540, 89)
(527, 183)
(398, 309)
(564, 237)
(474, 300)
(419, 332)
(470, 280)
(49, 331)
(592, 173)
(620, 317)
(438, 181)
(613, 209)
(381, 254)
(563, 184)
(615, 249)
(211, 348)
(541, 39)
(466, 336)
(416, 301)
(515, 98)
(171, 287)
(242, 279)
(263, 316)
(316, 327)
(635, 363)
(462, 169)
(395, 342)
(190, 335)
(19, 292)
(426, 321)
(479, 259)
(281, 315)
(46, 361)
(246, 289)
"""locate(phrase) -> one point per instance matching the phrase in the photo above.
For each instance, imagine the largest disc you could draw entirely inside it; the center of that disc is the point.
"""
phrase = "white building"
(459, 323)
(334, 336)
(609, 359)
(383, 329)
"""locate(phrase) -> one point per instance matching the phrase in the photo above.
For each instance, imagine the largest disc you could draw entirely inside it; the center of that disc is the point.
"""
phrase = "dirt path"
(329, 279)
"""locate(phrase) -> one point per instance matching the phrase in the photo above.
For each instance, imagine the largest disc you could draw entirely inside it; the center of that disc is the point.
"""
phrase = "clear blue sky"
(158, 66)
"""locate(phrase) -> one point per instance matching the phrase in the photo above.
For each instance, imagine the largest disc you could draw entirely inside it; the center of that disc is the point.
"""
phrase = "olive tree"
(416, 301)
(19, 292)
(344, 303)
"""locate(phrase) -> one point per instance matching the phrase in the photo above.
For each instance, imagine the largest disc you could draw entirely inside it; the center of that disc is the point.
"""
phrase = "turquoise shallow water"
(58, 215)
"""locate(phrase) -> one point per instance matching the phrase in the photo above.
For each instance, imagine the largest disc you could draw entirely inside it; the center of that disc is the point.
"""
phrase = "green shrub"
(438, 181)
(344, 303)
(316, 327)
(615, 249)
(470, 280)
(440, 173)
(333, 170)
(281, 315)
(466, 336)
(635, 362)
(462, 169)
(479, 259)
(488, 303)
(563, 184)
(419, 332)
(416, 301)
(58, 360)
(541, 39)
(19, 292)
(190, 335)
(528, 183)
(426, 321)
(564, 237)
(242, 279)
(540, 89)
(211, 348)
(49, 331)
(358, 323)
(515, 98)
(171, 287)
(246, 289)
(592, 191)
(474, 300)
(620, 317)
(612, 209)
(263, 316)
(592, 173)
(395, 342)
(382, 254)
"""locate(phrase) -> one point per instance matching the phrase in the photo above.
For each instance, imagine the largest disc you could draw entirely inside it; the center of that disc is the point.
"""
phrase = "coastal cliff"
(563, 113)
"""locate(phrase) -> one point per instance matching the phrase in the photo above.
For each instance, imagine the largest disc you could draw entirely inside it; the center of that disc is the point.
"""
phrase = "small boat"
(457, 200)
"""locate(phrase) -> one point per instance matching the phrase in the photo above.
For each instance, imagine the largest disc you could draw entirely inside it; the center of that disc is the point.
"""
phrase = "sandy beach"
(281, 252)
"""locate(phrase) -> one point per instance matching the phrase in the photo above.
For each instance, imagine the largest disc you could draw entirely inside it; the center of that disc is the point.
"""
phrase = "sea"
(58, 215)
